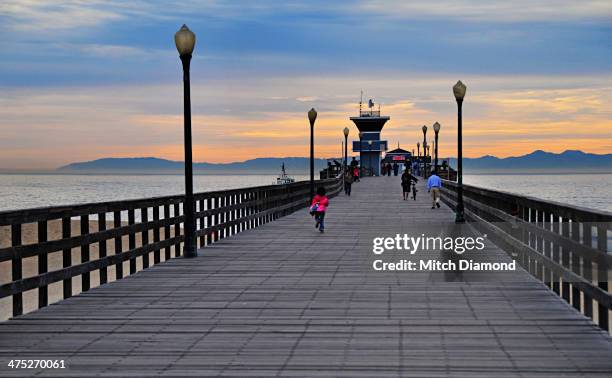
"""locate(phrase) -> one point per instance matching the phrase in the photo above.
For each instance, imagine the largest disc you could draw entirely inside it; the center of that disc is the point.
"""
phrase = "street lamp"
(424, 128)
(360, 153)
(370, 157)
(436, 127)
(346, 134)
(418, 157)
(312, 116)
(425, 149)
(185, 43)
(459, 92)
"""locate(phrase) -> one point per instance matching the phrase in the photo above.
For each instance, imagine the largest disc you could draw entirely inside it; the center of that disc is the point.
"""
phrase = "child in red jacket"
(318, 207)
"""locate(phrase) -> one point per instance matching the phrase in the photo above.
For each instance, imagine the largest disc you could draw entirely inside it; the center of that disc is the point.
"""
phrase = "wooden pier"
(280, 299)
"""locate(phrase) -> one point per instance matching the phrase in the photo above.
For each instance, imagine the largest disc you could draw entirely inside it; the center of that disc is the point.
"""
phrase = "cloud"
(490, 10)
(41, 15)
(233, 119)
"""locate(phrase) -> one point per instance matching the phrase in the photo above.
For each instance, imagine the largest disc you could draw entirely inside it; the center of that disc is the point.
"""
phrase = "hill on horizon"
(535, 161)
(293, 165)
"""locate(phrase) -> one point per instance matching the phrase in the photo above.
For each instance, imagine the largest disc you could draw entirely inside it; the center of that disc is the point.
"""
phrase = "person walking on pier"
(318, 207)
(348, 182)
(407, 180)
(356, 173)
(395, 169)
(434, 183)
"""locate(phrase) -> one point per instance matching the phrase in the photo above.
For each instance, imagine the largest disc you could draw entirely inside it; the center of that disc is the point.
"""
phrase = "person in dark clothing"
(395, 169)
(407, 182)
(348, 182)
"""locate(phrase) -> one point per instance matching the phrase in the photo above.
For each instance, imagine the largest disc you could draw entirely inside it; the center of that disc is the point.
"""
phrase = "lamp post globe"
(459, 90)
(185, 43)
(436, 127)
(312, 117)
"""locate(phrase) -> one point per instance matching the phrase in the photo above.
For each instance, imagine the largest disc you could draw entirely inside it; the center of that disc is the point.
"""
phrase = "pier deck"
(284, 300)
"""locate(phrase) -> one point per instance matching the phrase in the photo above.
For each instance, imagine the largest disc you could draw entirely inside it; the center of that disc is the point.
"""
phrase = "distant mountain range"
(570, 160)
(293, 165)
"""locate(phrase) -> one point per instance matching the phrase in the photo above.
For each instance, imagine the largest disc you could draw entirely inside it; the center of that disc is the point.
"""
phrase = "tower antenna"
(360, 102)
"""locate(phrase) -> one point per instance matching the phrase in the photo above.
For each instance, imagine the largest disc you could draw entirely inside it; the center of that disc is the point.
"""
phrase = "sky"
(81, 80)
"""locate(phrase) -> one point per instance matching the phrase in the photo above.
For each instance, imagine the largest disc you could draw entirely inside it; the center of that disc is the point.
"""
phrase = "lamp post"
(425, 148)
(360, 153)
(424, 128)
(370, 157)
(346, 134)
(436, 127)
(459, 92)
(185, 43)
(312, 116)
(418, 157)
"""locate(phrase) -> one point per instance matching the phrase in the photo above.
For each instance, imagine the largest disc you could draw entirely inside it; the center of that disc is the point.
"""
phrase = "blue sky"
(104, 75)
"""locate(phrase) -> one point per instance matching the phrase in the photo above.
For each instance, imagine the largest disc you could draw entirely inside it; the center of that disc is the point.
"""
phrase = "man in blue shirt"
(434, 183)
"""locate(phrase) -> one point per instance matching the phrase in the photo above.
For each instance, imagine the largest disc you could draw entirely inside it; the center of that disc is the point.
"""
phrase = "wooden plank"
(284, 300)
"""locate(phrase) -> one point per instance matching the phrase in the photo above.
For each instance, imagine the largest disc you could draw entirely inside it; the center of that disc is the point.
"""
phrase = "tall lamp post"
(459, 92)
(370, 157)
(418, 157)
(436, 127)
(312, 116)
(185, 43)
(360, 154)
(425, 153)
(424, 128)
(346, 134)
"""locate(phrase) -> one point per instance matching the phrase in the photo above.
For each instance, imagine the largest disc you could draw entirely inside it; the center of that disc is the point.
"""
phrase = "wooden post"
(177, 229)
(16, 268)
(85, 277)
(576, 300)
(208, 222)
(202, 236)
(102, 248)
(587, 236)
(156, 238)
(565, 260)
(556, 250)
(67, 256)
(144, 236)
(43, 291)
(602, 274)
(168, 249)
(132, 240)
(118, 245)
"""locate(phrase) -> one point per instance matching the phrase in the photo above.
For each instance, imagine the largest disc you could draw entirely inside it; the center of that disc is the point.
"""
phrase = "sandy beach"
(30, 265)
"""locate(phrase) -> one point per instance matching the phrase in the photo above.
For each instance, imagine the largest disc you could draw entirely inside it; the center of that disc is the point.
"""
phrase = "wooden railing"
(564, 246)
(154, 222)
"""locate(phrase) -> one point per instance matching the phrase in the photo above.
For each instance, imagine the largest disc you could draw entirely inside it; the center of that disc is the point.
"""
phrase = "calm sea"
(20, 191)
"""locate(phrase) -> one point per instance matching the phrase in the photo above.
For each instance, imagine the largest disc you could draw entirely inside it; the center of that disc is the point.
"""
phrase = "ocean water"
(20, 191)
(585, 190)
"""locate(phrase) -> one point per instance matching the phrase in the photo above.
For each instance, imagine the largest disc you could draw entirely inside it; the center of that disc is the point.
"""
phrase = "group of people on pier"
(320, 202)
